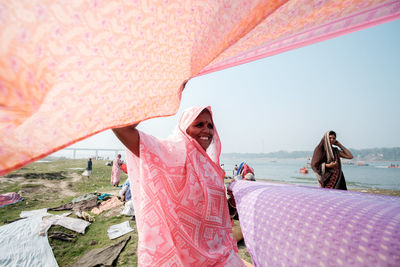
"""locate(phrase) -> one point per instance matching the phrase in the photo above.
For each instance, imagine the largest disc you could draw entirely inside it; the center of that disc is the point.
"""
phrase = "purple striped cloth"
(289, 225)
(9, 198)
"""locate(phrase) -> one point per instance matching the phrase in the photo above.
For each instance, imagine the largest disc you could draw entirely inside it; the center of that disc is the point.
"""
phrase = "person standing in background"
(88, 170)
(234, 170)
(326, 162)
(116, 170)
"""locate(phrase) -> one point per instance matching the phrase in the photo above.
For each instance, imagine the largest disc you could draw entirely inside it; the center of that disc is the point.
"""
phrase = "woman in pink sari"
(116, 170)
(179, 194)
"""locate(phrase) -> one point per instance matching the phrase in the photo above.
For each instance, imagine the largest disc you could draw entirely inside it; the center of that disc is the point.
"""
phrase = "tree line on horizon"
(367, 154)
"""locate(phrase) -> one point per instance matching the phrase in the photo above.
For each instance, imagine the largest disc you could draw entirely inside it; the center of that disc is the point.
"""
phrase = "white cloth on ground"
(20, 244)
(118, 230)
(73, 224)
(30, 213)
(86, 173)
(128, 209)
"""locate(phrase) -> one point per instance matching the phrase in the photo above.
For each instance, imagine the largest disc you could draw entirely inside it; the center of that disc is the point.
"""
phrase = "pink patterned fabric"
(288, 225)
(9, 198)
(116, 171)
(106, 205)
(179, 199)
(120, 62)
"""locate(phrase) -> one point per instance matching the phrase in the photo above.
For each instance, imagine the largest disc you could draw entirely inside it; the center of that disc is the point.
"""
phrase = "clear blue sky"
(350, 84)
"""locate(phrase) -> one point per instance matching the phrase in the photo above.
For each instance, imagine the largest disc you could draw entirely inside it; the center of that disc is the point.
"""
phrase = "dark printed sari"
(328, 177)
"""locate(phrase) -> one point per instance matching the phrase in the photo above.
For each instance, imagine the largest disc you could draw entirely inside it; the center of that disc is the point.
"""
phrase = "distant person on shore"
(326, 162)
(234, 170)
(244, 172)
(88, 170)
(116, 170)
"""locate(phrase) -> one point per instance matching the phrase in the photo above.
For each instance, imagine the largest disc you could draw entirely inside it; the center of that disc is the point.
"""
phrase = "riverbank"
(47, 184)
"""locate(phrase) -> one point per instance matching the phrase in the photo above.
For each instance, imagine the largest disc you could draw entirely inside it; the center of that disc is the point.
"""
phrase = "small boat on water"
(392, 166)
(304, 170)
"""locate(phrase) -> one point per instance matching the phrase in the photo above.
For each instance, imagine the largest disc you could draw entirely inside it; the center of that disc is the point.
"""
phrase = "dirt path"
(62, 186)
(41, 185)
(37, 186)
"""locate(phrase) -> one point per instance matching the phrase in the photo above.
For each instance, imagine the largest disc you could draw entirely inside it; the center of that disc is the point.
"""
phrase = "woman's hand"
(345, 153)
(333, 164)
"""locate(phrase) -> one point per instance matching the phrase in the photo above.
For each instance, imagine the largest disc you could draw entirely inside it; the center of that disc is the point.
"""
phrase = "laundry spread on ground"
(73, 224)
(292, 225)
(106, 205)
(102, 256)
(122, 62)
(117, 230)
(128, 210)
(9, 199)
(20, 244)
(31, 213)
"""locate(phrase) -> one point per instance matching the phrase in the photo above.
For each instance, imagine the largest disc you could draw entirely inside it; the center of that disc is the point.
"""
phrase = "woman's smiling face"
(202, 129)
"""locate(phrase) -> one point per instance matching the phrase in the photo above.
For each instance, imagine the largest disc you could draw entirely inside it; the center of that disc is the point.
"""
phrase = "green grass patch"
(67, 253)
(9, 187)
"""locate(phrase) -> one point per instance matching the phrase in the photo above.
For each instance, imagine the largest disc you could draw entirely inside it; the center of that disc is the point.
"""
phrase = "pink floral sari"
(116, 171)
(179, 199)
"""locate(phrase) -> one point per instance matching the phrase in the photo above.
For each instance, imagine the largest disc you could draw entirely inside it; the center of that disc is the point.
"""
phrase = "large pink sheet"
(69, 70)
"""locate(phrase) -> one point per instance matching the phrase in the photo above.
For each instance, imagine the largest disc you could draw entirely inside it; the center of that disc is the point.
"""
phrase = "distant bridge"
(95, 149)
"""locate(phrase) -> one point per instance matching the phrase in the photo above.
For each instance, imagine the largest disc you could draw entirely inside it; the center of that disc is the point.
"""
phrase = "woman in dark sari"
(326, 162)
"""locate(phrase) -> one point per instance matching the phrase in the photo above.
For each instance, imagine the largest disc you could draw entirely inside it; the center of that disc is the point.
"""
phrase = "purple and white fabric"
(289, 225)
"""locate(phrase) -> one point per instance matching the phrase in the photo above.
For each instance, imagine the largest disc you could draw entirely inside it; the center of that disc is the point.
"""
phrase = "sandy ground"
(61, 187)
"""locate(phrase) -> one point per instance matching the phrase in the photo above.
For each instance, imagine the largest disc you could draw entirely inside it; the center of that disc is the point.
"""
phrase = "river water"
(376, 175)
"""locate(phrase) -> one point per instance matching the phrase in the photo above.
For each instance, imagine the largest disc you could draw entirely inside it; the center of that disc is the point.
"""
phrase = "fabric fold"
(307, 226)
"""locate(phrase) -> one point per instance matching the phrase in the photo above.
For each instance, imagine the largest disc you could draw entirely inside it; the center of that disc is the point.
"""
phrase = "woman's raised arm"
(129, 136)
(345, 153)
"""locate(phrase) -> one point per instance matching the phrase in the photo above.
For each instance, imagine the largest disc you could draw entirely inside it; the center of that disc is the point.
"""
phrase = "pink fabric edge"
(307, 42)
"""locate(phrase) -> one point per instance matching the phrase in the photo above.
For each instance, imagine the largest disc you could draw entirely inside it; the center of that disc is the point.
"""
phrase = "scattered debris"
(68, 206)
(104, 196)
(84, 202)
(87, 217)
(62, 236)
